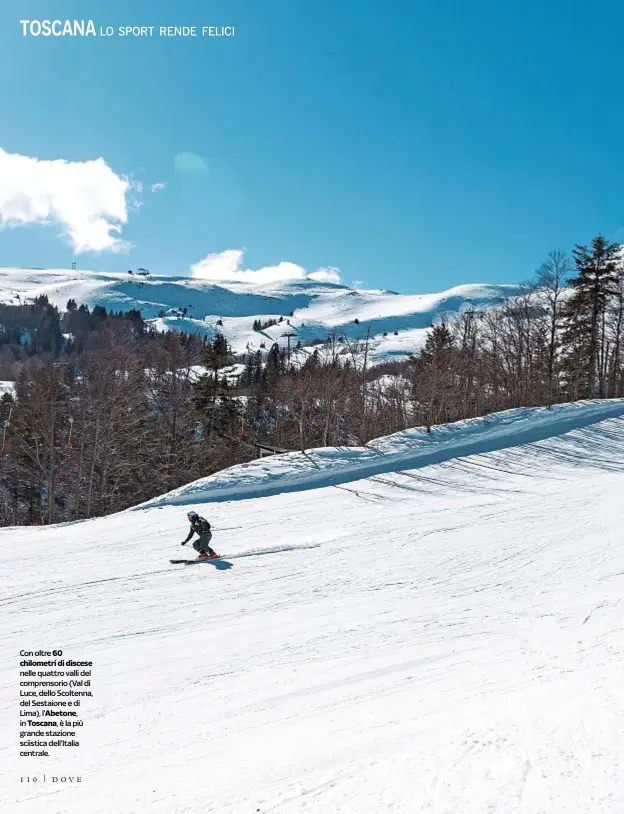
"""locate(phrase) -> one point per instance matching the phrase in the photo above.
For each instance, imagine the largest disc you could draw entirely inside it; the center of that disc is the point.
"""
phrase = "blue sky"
(413, 145)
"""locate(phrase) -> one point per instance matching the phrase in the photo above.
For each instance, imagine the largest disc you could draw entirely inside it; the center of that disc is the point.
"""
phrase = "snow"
(318, 308)
(413, 448)
(437, 632)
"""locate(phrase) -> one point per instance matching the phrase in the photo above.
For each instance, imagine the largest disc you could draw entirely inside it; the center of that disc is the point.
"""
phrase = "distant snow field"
(196, 306)
(435, 628)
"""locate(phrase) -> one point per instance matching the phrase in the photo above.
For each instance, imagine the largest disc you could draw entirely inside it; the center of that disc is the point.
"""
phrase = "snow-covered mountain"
(310, 309)
(432, 623)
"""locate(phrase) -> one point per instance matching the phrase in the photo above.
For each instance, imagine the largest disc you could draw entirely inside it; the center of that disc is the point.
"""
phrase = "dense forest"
(107, 412)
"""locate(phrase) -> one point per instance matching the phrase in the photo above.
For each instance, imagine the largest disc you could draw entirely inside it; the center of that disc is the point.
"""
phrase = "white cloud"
(226, 267)
(158, 186)
(329, 275)
(86, 200)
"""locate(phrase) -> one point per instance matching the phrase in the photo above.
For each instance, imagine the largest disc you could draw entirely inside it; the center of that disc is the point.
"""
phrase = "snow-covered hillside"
(438, 629)
(317, 308)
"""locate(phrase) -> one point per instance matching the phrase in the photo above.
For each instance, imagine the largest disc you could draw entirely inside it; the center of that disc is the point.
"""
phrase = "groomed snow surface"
(443, 635)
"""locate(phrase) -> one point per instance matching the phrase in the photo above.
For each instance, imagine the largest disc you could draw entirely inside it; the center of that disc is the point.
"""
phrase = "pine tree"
(434, 370)
(217, 354)
(252, 374)
(275, 365)
(584, 337)
(247, 376)
(437, 346)
(219, 411)
(312, 363)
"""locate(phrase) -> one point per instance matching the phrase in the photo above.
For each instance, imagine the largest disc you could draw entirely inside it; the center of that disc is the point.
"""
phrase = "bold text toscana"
(58, 28)
(86, 28)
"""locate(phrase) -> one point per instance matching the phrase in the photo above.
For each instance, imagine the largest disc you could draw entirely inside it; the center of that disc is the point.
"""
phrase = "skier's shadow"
(220, 565)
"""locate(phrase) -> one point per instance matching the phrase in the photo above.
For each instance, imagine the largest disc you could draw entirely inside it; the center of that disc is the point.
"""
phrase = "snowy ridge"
(411, 449)
(196, 306)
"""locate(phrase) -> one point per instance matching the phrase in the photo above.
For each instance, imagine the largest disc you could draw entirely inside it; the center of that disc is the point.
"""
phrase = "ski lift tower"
(288, 336)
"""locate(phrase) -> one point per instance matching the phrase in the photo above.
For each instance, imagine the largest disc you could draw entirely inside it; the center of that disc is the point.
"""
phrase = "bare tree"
(550, 284)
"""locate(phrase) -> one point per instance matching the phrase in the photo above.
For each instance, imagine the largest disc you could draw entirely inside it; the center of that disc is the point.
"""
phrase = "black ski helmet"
(192, 515)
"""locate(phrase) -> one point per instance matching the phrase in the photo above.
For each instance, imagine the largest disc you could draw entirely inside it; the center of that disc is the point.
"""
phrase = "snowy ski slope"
(442, 635)
(317, 307)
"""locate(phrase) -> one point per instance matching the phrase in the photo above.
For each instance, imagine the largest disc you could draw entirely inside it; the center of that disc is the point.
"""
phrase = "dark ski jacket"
(199, 526)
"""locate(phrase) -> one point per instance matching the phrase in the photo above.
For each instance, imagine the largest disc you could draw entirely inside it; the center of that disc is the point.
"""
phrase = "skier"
(201, 527)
